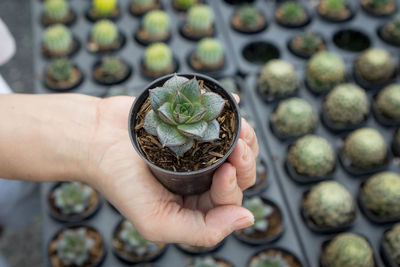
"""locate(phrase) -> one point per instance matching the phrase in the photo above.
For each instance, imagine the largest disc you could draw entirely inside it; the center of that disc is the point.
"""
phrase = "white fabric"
(7, 44)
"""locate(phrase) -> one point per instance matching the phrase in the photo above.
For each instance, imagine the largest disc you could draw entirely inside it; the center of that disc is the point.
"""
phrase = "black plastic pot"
(112, 18)
(207, 71)
(374, 86)
(335, 128)
(195, 38)
(381, 33)
(121, 39)
(65, 89)
(193, 251)
(148, 77)
(74, 49)
(382, 119)
(160, 6)
(385, 255)
(371, 12)
(395, 145)
(250, 31)
(295, 25)
(112, 81)
(280, 249)
(184, 183)
(283, 137)
(298, 53)
(68, 22)
(332, 20)
(149, 42)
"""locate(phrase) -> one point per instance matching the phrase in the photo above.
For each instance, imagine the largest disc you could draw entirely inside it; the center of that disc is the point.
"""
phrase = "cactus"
(181, 113)
(184, 4)
(73, 249)
(156, 24)
(325, 70)
(60, 69)
(277, 78)
(57, 10)
(104, 33)
(375, 65)
(72, 197)
(158, 57)
(207, 261)
(334, 9)
(294, 117)
(392, 243)
(378, 4)
(249, 16)
(392, 28)
(348, 250)
(133, 242)
(308, 42)
(346, 104)
(265, 260)
(381, 194)
(200, 18)
(292, 13)
(210, 52)
(104, 8)
(312, 156)
(58, 39)
(365, 148)
(112, 66)
(329, 204)
(260, 211)
(388, 101)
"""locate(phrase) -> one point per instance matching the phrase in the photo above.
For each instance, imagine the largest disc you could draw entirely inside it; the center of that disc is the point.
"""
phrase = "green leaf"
(165, 113)
(214, 104)
(151, 121)
(193, 130)
(170, 136)
(180, 150)
(180, 118)
(212, 132)
(175, 82)
(198, 113)
(191, 90)
(159, 96)
(179, 98)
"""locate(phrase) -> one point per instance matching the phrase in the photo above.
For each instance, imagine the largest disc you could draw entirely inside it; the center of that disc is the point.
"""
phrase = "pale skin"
(71, 137)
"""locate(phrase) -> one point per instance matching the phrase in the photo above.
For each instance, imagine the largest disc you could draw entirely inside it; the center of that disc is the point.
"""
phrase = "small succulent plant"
(181, 113)
(346, 104)
(104, 8)
(392, 28)
(265, 260)
(378, 3)
(73, 249)
(156, 24)
(60, 69)
(292, 12)
(329, 204)
(184, 4)
(133, 242)
(294, 117)
(312, 156)
(375, 65)
(325, 70)
(112, 66)
(381, 194)
(73, 197)
(57, 10)
(388, 101)
(104, 33)
(308, 42)
(210, 53)
(392, 243)
(277, 78)
(349, 250)
(207, 261)
(158, 57)
(249, 16)
(261, 211)
(365, 148)
(333, 8)
(200, 18)
(58, 39)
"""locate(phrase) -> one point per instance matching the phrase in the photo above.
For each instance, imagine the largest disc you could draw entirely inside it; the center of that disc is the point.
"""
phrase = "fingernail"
(243, 222)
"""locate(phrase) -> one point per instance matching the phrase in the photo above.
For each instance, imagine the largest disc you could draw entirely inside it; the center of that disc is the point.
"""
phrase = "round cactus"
(291, 13)
(294, 117)
(56, 10)
(381, 194)
(158, 57)
(277, 78)
(312, 156)
(334, 9)
(210, 53)
(365, 148)
(200, 18)
(112, 66)
(346, 104)
(156, 24)
(392, 243)
(348, 250)
(249, 16)
(325, 70)
(58, 39)
(104, 8)
(104, 33)
(375, 65)
(308, 43)
(60, 69)
(329, 204)
(388, 101)
(184, 4)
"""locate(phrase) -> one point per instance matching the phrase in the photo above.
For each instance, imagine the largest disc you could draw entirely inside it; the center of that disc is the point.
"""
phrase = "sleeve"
(7, 44)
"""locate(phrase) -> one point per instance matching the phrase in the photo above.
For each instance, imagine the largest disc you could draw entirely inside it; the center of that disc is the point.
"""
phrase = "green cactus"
(308, 42)
(261, 211)
(377, 4)
(277, 78)
(265, 260)
(249, 16)
(58, 39)
(56, 10)
(200, 18)
(325, 70)
(392, 243)
(207, 261)
(292, 13)
(388, 101)
(112, 66)
(158, 57)
(294, 117)
(72, 197)
(60, 69)
(156, 24)
(365, 148)
(329, 204)
(210, 52)
(133, 242)
(392, 28)
(312, 156)
(104, 8)
(334, 9)
(104, 33)
(348, 250)
(346, 104)
(181, 113)
(375, 65)
(184, 4)
(381, 194)
(73, 249)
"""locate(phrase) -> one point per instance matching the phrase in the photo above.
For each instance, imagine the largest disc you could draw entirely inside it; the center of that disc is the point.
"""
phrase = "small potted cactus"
(294, 117)
(292, 15)
(105, 37)
(390, 246)
(80, 246)
(328, 207)
(274, 256)
(111, 70)
(208, 261)
(130, 247)
(208, 56)
(374, 69)
(58, 42)
(73, 202)
(261, 179)
(379, 7)
(325, 70)
(390, 32)
(248, 19)
(62, 75)
(268, 222)
(103, 9)
(386, 106)
(335, 10)
(199, 23)
(158, 61)
(155, 27)
(347, 250)
(310, 159)
(141, 7)
(277, 80)
(380, 197)
(184, 126)
(57, 11)
(306, 44)
(184, 5)
(346, 107)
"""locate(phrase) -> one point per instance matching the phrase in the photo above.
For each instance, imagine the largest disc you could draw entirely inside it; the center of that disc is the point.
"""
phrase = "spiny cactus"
(104, 33)
(60, 69)
(249, 16)
(112, 66)
(312, 156)
(73, 197)
(207, 261)
(381, 194)
(392, 28)
(308, 42)
(348, 250)
(375, 65)
(200, 18)
(104, 8)
(58, 39)
(57, 10)
(292, 13)
(210, 52)
(388, 101)
(265, 260)
(156, 23)
(158, 57)
(277, 78)
(346, 104)
(73, 249)
(133, 242)
(365, 148)
(260, 211)
(181, 113)
(329, 204)
(184, 4)
(333, 9)
(294, 117)
(392, 243)
(325, 70)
